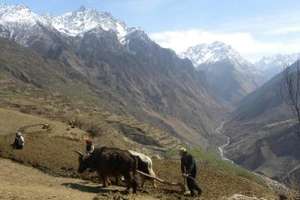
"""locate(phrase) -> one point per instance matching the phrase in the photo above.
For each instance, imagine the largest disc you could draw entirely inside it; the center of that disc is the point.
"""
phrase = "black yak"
(111, 162)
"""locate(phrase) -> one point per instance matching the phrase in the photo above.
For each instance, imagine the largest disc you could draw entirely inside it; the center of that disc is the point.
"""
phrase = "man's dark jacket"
(188, 165)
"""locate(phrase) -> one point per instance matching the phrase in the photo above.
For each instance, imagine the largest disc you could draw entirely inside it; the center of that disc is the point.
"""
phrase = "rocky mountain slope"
(228, 74)
(263, 132)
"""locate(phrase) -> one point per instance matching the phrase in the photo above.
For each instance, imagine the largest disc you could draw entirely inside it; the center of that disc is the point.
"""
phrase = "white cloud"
(243, 42)
(284, 30)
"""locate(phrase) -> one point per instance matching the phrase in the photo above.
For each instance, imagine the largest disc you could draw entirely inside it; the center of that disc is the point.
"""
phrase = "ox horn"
(79, 153)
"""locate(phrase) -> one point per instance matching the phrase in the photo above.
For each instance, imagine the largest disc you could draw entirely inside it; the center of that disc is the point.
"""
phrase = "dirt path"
(20, 182)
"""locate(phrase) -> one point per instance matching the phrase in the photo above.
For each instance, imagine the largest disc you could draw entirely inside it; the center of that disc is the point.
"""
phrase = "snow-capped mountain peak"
(212, 53)
(84, 19)
(19, 14)
(277, 60)
(272, 65)
(16, 20)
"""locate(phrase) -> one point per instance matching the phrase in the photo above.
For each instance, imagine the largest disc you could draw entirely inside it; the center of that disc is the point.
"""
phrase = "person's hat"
(88, 141)
(182, 149)
(18, 133)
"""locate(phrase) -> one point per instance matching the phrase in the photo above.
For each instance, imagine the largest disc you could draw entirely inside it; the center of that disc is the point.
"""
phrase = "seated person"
(19, 141)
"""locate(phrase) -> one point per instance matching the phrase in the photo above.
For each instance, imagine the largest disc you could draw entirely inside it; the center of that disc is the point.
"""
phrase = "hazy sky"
(254, 27)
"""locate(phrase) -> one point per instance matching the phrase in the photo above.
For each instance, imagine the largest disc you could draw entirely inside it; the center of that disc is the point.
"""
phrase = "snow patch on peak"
(272, 65)
(19, 21)
(212, 53)
(84, 19)
(20, 15)
(278, 60)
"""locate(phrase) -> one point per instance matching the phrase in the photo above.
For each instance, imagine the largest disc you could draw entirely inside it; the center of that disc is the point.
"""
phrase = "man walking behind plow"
(189, 171)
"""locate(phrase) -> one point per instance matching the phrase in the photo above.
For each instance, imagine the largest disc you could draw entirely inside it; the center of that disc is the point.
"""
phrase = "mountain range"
(229, 75)
(92, 58)
(267, 66)
(272, 65)
(71, 24)
(120, 67)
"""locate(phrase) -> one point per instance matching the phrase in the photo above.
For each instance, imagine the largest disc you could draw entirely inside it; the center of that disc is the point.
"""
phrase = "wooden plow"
(180, 185)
